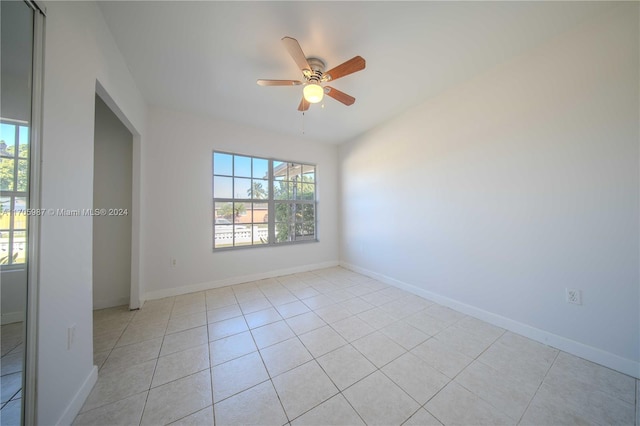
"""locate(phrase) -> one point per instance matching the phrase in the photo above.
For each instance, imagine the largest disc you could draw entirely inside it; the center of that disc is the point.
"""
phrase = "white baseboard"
(177, 291)
(599, 356)
(79, 398)
(11, 317)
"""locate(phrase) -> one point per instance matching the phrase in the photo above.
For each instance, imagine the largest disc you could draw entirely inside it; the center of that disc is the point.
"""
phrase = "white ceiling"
(205, 57)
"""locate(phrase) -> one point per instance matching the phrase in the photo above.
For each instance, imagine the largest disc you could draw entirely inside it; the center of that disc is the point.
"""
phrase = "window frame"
(270, 201)
(15, 193)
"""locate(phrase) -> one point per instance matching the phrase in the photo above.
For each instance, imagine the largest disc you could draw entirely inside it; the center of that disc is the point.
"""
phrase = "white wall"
(79, 50)
(113, 150)
(178, 199)
(500, 193)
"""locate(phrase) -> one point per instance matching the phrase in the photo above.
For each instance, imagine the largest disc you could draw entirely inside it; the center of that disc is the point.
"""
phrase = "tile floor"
(332, 347)
(11, 362)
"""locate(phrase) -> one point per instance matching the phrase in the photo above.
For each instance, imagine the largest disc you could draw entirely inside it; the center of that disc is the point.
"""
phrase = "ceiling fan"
(314, 75)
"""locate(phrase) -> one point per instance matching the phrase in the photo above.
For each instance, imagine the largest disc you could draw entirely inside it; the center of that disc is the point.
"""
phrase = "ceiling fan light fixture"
(313, 93)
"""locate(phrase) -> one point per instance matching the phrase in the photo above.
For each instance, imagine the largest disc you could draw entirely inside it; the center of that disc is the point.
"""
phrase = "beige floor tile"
(284, 356)
(228, 327)
(401, 308)
(231, 347)
(377, 318)
(126, 356)
(265, 408)
(142, 332)
(422, 418)
(203, 417)
(404, 334)
(281, 298)
(180, 364)
(415, 377)
(264, 317)
(356, 305)
(271, 334)
(186, 322)
(177, 399)
(317, 302)
(376, 298)
(127, 411)
(480, 328)
(147, 318)
(379, 401)
(292, 309)
(345, 366)
(303, 388)
(322, 340)
(100, 357)
(334, 412)
(237, 375)
(11, 384)
(592, 402)
(304, 323)
(182, 340)
(216, 301)
(444, 314)
(106, 341)
(305, 292)
(548, 409)
(378, 348)
(119, 384)
(333, 313)
(529, 366)
(509, 395)
(223, 313)
(456, 405)
(425, 323)
(188, 308)
(569, 368)
(441, 357)
(255, 305)
(463, 341)
(352, 328)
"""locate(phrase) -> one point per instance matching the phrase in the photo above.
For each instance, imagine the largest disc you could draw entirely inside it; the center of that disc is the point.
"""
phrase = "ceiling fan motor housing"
(316, 74)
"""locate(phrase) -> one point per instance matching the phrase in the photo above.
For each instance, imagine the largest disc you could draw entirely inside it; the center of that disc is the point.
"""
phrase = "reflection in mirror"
(15, 120)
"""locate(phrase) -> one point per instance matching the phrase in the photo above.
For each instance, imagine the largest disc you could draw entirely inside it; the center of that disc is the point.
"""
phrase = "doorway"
(112, 206)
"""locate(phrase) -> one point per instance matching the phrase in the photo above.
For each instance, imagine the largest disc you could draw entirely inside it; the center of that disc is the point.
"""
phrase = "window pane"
(239, 211)
(260, 189)
(241, 188)
(260, 234)
(309, 173)
(4, 248)
(260, 212)
(307, 191)
(23, 141)
(23, 175)
(224, 213)
(295, 172)
(282, 232)
(223, 236)
(283, 212)
(8, 138)
(280, 170)
(242, 235)
(20, 213)
(280, 190)
(5, 212)
(6, 174)
(222, 164)
(260, 168)
(242, 166)
(222, 187)
(19, 254)
(298, 209)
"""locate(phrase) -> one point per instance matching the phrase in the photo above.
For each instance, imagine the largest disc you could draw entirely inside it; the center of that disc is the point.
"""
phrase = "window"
(14, 185)
(259, 201)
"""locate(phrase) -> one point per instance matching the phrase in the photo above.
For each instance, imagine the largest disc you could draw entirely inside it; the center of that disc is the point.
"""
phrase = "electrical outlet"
(71, 336)
(574, 296)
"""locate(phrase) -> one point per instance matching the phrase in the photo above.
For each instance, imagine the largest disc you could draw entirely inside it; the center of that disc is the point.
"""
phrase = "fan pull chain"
(303, 122)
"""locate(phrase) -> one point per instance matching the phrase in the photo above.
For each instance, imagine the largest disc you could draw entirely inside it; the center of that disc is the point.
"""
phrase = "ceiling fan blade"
(304, 105)
(296, 52)
(340, 96)
(354, 64)
(278, 82)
